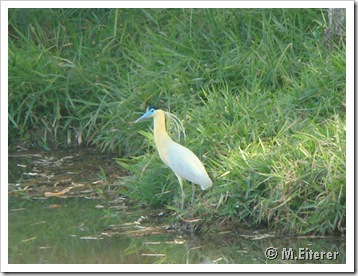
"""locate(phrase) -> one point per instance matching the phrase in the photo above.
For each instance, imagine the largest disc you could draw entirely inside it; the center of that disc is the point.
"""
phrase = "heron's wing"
(187, 165)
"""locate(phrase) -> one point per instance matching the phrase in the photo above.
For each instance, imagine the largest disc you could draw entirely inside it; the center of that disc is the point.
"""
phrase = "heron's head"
(148, 114)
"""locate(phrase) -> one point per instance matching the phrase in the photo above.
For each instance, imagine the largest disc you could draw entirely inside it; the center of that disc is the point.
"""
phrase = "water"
(84, 226)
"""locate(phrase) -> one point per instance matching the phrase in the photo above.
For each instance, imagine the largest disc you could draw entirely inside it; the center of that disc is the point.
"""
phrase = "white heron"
(183, 162)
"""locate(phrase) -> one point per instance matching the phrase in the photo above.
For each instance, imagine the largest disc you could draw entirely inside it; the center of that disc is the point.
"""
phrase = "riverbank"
(259, 91)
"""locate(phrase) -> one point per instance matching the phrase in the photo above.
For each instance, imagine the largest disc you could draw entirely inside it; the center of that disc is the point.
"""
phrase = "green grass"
(261, 97)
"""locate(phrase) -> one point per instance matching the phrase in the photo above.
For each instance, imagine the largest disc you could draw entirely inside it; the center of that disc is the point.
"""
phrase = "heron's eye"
(152, 110)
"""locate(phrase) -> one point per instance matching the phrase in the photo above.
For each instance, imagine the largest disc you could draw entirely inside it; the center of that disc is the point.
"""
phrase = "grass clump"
(261, 97)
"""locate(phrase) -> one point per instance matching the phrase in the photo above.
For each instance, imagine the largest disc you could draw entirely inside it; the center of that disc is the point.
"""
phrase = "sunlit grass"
(261, 98)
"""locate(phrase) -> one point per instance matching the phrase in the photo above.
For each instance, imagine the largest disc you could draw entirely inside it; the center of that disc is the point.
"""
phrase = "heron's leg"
(182, 191)
(192, 194)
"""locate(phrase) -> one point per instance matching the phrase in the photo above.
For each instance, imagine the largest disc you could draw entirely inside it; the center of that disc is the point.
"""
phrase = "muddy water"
(63, 210)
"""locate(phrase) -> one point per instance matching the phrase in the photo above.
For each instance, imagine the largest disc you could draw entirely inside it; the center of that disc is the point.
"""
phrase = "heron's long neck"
(160, 133)
(161, 137)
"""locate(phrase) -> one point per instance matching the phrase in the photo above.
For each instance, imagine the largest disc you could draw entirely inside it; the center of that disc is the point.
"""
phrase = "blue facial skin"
(146, 115)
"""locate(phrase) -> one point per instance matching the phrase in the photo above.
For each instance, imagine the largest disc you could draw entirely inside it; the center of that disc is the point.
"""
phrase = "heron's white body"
(183, 162)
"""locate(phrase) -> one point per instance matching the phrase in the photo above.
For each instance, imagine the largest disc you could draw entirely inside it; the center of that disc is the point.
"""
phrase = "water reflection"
(75, 232)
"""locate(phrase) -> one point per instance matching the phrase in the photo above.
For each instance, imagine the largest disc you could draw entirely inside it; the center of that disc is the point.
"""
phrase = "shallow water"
(82, 226)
